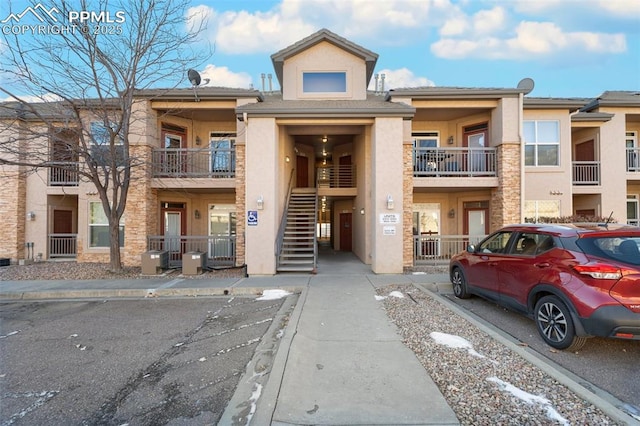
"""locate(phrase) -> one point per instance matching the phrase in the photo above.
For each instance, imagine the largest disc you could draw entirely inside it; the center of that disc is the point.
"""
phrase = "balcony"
(437, 250)
(586, 173)
(336, 177)
(633, 160)
(220, 250)
(454, 162)
(62, 246)
(63, 173)
(194, 163)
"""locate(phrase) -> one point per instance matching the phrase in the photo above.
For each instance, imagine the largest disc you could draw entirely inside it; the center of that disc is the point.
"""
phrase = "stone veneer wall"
(141, 213)
(505, 199)
(240, 204)
(13, 213)
(407, 206)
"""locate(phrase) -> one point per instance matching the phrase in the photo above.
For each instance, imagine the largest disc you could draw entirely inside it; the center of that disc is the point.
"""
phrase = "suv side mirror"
(471, 248)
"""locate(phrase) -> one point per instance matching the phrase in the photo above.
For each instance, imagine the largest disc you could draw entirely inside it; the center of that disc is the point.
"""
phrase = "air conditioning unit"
(193, 263)
(154, 262)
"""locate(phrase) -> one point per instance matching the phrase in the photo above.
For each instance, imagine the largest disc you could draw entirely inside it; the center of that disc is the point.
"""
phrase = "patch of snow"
(455, 342)
(419, 273)
(273, 294)
(203, 359)
(379, 298)
(255, 395)
(530, 399)
(10, 334)
(397, 294)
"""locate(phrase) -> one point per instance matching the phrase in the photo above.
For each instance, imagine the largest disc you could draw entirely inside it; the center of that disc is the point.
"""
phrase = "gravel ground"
(485, 383)
(96, 271)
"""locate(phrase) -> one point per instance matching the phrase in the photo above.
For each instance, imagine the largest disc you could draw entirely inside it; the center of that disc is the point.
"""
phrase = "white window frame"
(537, 142)
(92, 225)
(215, 137)
(633, 198)
(535, 212)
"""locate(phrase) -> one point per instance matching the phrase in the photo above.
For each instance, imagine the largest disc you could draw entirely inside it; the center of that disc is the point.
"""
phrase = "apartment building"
(398, 177)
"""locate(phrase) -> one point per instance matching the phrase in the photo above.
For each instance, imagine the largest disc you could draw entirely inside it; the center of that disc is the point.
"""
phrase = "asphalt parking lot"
(135, 362)
(609, 364)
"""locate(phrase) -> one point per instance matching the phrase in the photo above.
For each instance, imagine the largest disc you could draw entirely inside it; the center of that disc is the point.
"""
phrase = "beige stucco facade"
(399, 177)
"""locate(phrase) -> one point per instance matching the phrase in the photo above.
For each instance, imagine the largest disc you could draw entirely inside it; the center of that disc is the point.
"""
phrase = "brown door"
(302, 171)
(345, 231)
(62, 222)
(174, 225)
(585, 151)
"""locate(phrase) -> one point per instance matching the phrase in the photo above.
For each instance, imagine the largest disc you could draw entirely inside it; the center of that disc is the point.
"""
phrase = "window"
(101, 149)
(324, 82)
(535, 209)
(425, 159)
(99, 226)
(632, 210)
(530, 244)
(497, 243)
(223, 153)
(542, 143)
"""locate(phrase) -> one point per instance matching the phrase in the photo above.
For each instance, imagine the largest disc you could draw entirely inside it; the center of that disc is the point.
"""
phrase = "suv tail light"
(599, 271)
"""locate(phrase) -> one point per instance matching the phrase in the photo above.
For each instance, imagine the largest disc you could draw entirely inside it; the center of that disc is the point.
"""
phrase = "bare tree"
(83, 73)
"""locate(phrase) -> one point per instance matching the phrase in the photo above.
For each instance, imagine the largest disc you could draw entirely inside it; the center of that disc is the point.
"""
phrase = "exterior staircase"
(298, 251)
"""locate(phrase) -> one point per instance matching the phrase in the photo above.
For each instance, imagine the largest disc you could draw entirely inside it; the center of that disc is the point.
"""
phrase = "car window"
(496, 243)
(530, 244)
(622, 249)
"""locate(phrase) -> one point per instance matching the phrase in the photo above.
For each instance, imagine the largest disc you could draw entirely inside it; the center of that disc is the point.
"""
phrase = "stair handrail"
(315, 235)
(285, 212)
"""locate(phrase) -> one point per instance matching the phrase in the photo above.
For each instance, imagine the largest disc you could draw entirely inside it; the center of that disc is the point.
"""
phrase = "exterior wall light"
(31, 216)
(450, 140)
(362, 210)
(260, 203)
(389, 202)
(452, 213)
(196, 214)
(287, 159)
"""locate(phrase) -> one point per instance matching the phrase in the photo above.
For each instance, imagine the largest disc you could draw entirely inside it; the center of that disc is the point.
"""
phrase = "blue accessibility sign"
(252, 217)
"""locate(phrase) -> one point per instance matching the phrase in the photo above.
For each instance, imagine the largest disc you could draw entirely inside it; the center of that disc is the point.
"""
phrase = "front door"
(345, 231)
(222, 227)
(174, 225)
(175, 139)
(302, 171)
(62, 222)
(475, 221)
(476, 138)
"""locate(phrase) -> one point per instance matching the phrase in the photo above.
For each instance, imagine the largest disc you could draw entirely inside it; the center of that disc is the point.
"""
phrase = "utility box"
(154, 262)
(193, 263)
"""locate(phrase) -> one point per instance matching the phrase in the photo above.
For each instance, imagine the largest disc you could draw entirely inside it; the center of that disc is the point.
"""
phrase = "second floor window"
(101, 148)
(542, 142)
(324, 82)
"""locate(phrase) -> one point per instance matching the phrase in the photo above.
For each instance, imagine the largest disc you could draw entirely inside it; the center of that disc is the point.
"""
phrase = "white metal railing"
(63, 245)
(336, 176)
(438, 249)
(586, 172)
(190, 162)
(63, 173)
(454, 162)
(633, 159)
(220, 249)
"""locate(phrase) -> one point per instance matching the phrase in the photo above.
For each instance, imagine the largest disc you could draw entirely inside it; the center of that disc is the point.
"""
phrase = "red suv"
(574, 281)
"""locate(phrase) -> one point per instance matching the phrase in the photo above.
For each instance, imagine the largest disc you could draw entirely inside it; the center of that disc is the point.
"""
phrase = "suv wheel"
(459, 283)
(555, 325)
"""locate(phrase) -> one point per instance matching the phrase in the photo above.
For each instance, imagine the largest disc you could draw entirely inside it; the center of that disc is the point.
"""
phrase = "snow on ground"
(397, 294)
(530, 399)
(273, 294)
(455, 342)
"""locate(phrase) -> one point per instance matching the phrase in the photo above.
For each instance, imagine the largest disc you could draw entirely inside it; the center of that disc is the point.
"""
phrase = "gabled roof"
(555, 103)
(614, 98)
(580, 117)
(324, 34)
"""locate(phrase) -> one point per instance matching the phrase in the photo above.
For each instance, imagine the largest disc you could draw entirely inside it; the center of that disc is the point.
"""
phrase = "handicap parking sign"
(252, 217)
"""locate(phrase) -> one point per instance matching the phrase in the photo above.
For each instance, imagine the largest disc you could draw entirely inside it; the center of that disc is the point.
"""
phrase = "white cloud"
(223, 77)
(489, 21)
(531, 39)
(199, 17)
(402, 77)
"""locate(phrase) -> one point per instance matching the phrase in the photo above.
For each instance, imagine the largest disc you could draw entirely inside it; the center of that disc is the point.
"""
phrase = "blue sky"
(570, 48)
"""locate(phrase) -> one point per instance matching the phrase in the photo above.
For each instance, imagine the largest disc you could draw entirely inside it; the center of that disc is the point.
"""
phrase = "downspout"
(522, 153)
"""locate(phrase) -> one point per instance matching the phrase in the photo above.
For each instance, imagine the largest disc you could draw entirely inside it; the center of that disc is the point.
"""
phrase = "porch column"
(261, 177)
(387, 196)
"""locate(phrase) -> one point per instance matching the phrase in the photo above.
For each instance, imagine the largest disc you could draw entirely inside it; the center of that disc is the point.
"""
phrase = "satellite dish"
(527, 85)
(194, 77)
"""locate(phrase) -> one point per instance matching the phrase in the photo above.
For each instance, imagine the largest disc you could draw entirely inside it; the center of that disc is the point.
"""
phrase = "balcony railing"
(195, 163)
(63, 245)
(454, 162)
(586, 173)
(220, 250)
(438, 249)
(633, 160)
(336, 177)
(63, 173)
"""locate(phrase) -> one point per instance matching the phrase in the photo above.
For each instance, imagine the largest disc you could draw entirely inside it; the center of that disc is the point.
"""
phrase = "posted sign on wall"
(389, 218)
